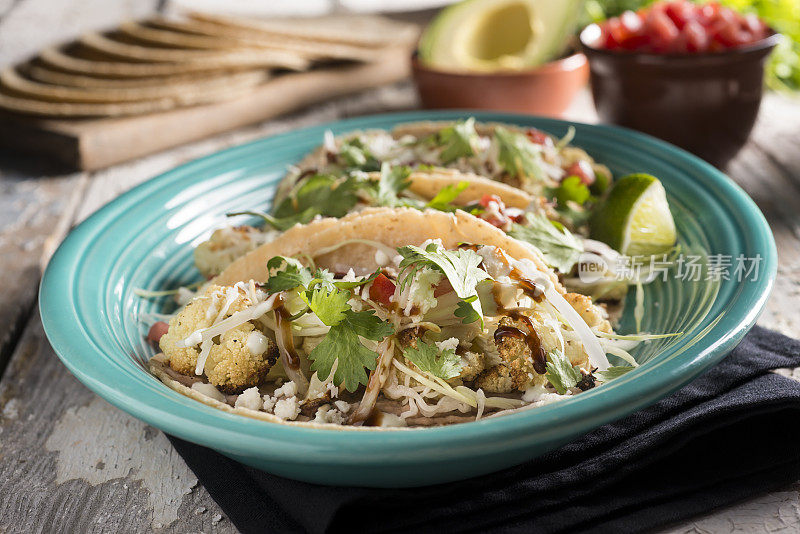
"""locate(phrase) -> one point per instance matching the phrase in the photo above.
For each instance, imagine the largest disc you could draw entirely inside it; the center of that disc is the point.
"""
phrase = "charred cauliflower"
(242, 356)
(237, 362)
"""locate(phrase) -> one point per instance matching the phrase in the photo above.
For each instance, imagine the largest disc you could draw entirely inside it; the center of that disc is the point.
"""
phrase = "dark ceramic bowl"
(706, 103)
(545, 90)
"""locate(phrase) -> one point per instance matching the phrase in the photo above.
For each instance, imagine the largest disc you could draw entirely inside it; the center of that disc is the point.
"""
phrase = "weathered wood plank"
(62, 443)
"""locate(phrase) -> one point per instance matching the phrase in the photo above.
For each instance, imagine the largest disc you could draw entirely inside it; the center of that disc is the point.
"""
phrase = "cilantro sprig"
(460, 266)
(518, 155)
(459, 140)
(561, 373)
(321, 194)
(560, 248)
(329, 300)
(443, 201)
(444, 364)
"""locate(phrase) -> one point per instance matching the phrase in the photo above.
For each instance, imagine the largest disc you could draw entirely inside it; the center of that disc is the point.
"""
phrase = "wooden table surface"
(69, 462)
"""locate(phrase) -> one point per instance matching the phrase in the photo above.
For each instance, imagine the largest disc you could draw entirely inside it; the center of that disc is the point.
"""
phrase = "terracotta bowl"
(706, 103)
(546, 90)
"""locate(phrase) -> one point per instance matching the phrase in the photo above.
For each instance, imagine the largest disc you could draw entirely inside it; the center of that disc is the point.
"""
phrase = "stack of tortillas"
(166, 63)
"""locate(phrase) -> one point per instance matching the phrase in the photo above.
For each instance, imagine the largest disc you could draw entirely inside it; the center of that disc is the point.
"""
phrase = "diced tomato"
(487, 199)
(680, 13)
(694, 37)
(661, 29)
(157, 331)
(539, 137)
(494, 212)
(679, 26)
(382, 290)
(582, 170)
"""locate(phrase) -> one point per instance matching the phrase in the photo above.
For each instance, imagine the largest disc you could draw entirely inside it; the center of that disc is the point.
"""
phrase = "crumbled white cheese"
(257, 343)
(209, 391)
(350, 276)
(391, 420)
(342, 406)
(326, 414)
(447, 344)
(269, 403)
(250, 398)
(381, 258)
(420, 291)
(495, 262)
(289, 389)
(288, 408)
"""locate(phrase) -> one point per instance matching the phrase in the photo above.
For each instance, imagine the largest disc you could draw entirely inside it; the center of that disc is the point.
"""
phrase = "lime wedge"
(635, 218)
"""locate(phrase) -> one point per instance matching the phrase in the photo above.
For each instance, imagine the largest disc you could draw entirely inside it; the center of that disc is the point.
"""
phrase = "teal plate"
(144, 239)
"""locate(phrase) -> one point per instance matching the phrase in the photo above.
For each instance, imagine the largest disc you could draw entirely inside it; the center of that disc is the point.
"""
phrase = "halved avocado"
(490, 35)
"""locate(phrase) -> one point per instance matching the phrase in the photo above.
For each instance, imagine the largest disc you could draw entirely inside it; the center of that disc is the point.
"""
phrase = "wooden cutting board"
(89, 144)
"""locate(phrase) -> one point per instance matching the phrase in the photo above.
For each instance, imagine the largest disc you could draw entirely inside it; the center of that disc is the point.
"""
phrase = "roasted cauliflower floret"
(497, 379)
(237, 362)
(198, 314)
(520, 348)
(592, 314)
(225, 245)
(472, 363)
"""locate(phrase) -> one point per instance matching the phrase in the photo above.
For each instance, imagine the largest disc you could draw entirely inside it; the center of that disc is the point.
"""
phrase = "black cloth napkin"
(730, 434)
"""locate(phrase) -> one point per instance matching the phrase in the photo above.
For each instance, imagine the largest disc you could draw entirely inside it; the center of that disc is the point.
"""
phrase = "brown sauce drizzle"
(285, 331)
(530, 337)
(529, 287)
(375, 418)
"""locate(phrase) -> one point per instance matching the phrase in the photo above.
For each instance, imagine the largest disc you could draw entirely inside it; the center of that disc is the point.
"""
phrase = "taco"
(388, 317)
(318, 195)
(526, 158)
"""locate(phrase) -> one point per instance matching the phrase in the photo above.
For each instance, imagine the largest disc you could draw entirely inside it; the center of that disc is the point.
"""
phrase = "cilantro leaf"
(289, 274)
(343, 343)
(561, 373)
(368, 325)
(329, 305)
(612, 372)
(518, 155)
(444, 364)
(327, 195)
(443, 201)
(465, 310)
(460, 266)
(393, 180)
(560, 248)
(355, 155)
(459, 140)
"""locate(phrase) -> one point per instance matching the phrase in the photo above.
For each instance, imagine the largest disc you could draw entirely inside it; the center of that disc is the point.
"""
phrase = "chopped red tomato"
(582, 170)
(157, 331)
(381, 290)
(539, 137)
(679, 26)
